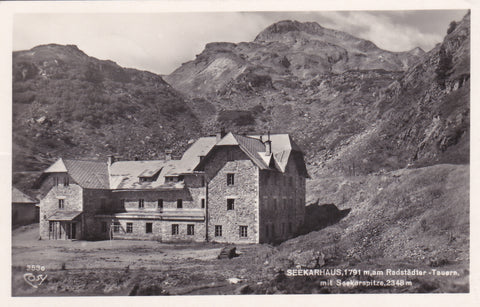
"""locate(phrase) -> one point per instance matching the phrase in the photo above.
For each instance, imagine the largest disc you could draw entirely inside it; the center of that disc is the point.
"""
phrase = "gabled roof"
(191, 157)
(20, 197)
(88, 174)
(254, 147)
(57, 167)
(125, 175)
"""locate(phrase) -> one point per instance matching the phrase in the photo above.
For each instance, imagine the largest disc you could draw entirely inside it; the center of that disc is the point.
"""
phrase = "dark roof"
(253, 146)
(20, 197)
(88, 174)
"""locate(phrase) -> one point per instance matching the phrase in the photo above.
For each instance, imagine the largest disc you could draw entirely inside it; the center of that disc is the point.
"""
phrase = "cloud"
(160, 42)
(382, 30)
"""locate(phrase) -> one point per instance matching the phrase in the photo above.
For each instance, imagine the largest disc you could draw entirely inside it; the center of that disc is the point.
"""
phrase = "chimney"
(168, 154)
(220, 134)
(110, 160)
(268, 145)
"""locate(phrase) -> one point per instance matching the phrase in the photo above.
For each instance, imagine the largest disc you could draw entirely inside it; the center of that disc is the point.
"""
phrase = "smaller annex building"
(225, 188)
(24, 208)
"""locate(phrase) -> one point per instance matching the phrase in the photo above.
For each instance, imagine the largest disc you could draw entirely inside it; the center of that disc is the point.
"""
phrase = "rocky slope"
(67, 104)
(354, 107)
(284, 50)
(422, 118)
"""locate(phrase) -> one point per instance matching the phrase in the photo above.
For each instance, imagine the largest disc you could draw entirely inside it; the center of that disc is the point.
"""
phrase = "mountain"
(351, 105)
(284, 50)
(423, 118)
(68, 104)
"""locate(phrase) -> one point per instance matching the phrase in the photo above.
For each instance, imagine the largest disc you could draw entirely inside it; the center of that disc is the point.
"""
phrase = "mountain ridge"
(66, 103)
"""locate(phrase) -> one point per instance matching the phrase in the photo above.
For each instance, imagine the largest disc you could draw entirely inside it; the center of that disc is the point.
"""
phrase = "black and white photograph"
(260, 152)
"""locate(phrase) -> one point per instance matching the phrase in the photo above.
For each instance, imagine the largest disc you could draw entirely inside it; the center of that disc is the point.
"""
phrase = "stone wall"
(244, 191)
(282, 203)
(150, 200)
(73, 200)
(92, 205)
(161, 230)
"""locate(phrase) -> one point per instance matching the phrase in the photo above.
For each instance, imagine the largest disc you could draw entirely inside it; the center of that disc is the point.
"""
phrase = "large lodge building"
(225, 188)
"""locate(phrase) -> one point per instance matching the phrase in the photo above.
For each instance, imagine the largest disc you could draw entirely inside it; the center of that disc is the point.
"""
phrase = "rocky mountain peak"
(286, 26)
(417, 51)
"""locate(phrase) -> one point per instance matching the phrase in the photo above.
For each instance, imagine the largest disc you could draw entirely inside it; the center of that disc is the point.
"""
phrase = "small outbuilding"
(25, 209)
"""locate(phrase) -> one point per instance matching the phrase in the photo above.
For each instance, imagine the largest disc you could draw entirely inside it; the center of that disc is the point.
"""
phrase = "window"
(66, 181)
(141, 203)
(179, 203)
(202, 182)
(291, 180)
(202, 202)
(285, 204)
(104, 226)
(122, 202)
(218, 230)
(160, 204)
(275, 204)
(190, 230)
(230, 204)
(61, 203)
(230, 179)
(148, 227)
(129, 227)
(55, 180)
(174, 229)
(116, 227)
(243, 231)
(50, 226)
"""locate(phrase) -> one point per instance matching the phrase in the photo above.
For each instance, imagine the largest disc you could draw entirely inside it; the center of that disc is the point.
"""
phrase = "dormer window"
(147, 179)
(173, 178)
(149, 175)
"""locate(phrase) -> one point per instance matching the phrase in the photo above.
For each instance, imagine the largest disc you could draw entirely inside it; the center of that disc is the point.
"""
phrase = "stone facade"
(282, 203)
(72, 196)
(236, 194)
(159, 230)
(243, 192)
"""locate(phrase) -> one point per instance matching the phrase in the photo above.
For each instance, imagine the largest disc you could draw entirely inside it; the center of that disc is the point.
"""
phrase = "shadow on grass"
(320, 216)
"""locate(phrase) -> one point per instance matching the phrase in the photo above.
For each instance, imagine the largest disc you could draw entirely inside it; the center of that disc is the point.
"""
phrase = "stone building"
(225, 188)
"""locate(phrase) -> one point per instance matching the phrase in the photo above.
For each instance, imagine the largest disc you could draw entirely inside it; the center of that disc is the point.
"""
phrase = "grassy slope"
(410, 218)
(390, 211)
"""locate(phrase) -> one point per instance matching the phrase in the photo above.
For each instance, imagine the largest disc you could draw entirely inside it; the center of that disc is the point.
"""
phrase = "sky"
(161, 42)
